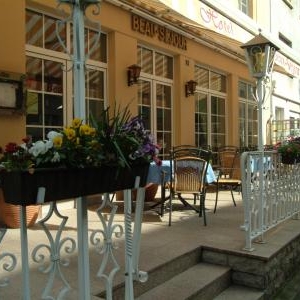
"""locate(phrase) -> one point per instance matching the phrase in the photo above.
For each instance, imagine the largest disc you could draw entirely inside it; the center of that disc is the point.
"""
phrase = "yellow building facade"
(169, 55)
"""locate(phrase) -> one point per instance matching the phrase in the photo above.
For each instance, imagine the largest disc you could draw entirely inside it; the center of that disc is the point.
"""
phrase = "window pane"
(103, 48)
(98, 53)
(163, 95)
(247, 116)
(35, 133)
(34, 73)
(41, 31)
(95, 84)
(34, 28)
(217, 105)
(202, 77)
(97, 47)
(51, 40)
(45, 94)
(163, 66)
(217, 121)
(34, 111)
(163, 116)
(145, 60)
(201, 122)
(164, 141)
(53, 76)
(96, 108)
(53, 110)
(167, 120)
(242, 110)
(94, 92)
(242, 89)
(144, 102)
(217, 82)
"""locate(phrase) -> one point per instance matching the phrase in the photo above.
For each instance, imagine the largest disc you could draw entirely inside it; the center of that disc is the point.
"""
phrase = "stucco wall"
(12, 59)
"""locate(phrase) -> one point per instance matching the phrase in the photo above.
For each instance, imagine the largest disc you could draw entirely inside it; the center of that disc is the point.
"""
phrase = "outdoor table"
(155, 173)
(161, 174)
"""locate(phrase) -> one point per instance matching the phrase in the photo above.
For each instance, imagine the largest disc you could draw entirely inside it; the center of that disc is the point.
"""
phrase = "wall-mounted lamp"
(190, 88)
(133, 74)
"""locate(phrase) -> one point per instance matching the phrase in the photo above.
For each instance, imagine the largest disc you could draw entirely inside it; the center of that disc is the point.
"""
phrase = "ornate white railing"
(270, 191)
(52, 255)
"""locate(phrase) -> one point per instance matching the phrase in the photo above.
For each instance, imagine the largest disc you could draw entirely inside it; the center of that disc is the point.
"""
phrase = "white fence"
(270, 191)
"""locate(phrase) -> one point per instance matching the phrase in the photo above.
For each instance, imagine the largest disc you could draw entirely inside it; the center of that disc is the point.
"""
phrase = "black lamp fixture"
(133, 74)
(190, 88)
(260, 54)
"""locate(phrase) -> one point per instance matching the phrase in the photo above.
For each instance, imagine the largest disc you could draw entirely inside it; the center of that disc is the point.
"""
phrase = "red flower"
(11, 147)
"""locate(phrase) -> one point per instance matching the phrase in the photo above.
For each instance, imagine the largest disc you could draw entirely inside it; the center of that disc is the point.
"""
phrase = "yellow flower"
(85, 130)
(92, 131)
(57, 141)
(76, 123)
(70, 133)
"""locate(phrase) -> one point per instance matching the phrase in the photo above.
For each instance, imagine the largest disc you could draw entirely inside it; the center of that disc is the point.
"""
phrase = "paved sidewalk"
(160, 243)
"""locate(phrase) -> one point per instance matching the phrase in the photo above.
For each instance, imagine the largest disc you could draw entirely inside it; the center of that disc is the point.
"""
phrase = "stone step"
(237, 292)
(202, 282)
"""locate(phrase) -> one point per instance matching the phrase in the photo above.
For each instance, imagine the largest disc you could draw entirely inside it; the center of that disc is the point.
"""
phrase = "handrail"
(279, 199)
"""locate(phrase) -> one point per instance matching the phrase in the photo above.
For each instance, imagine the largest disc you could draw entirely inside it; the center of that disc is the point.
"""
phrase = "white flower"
(24, 146)
(48, 145)
(38, 148)
(53, 134)
(56, 157)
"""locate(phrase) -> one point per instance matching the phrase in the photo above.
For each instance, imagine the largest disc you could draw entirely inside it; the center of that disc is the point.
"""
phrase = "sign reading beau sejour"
(162, 33)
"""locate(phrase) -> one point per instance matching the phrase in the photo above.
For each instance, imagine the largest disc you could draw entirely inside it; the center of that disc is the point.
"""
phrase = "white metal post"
(24, 253)
(79, 112)
(260, 98)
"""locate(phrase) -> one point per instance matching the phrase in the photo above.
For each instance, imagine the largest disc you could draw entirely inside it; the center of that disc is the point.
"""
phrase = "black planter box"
(21, 187)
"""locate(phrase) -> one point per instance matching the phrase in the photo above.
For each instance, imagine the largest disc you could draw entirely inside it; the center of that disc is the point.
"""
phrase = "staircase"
(189, 277)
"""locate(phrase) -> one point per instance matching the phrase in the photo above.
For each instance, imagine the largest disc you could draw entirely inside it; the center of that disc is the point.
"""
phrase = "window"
(248, 117)
(50, 86)
(44, 96)
(210, 127)
(96, 50)
(156, 63)
(244, 6)
(41, 31)
(155, 96)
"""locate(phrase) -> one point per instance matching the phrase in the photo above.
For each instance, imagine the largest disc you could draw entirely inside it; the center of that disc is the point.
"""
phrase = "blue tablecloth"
(255, 163)
(155, 171)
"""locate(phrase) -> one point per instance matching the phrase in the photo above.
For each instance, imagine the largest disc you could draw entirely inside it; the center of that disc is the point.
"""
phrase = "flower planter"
(21, 187)
(288, 160)
(10, 214)
(150, 192)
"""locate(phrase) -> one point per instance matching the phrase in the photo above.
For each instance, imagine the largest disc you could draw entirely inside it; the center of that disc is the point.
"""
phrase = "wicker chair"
(189, 172)
(229, 171)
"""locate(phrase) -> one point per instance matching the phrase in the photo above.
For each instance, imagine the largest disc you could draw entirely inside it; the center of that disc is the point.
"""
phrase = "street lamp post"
(78, 10)
(260, 54)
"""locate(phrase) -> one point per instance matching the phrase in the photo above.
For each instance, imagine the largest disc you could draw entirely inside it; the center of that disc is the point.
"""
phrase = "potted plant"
(289, 150)
(82, 159)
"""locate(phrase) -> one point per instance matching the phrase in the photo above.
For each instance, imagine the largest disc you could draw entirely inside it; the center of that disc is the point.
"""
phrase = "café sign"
(162, 33)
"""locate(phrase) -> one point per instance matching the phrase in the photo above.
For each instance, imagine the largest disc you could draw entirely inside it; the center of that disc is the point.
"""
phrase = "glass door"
(154, 101)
